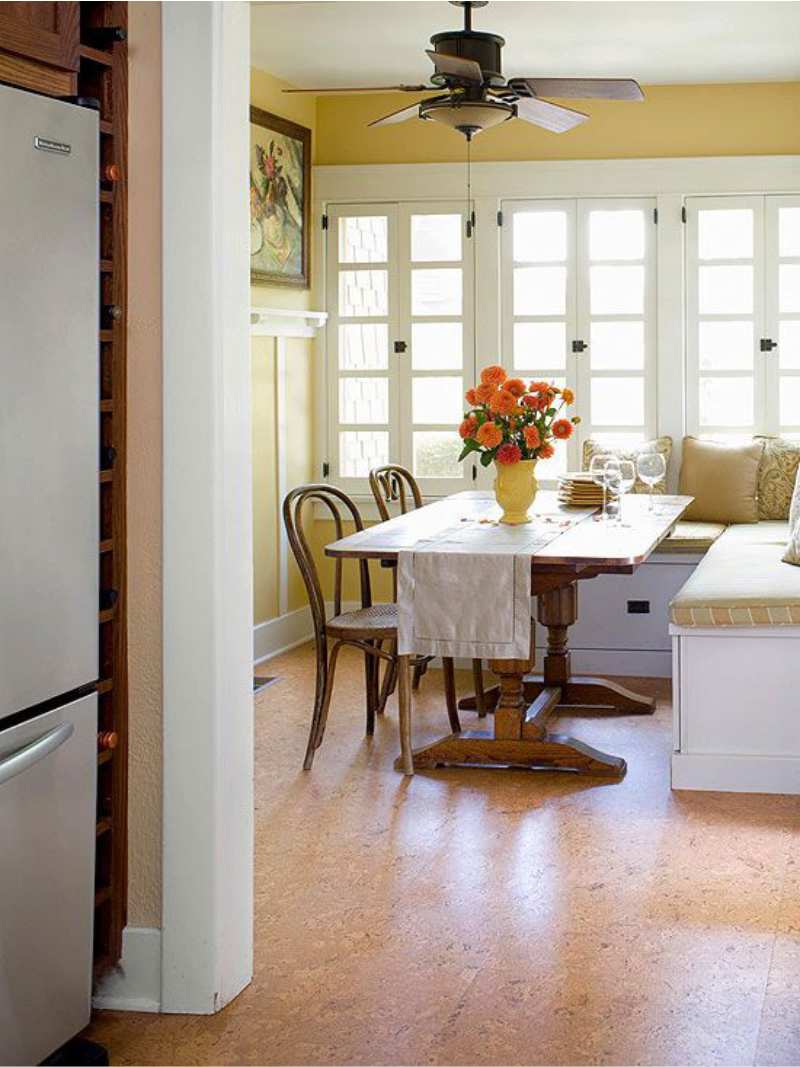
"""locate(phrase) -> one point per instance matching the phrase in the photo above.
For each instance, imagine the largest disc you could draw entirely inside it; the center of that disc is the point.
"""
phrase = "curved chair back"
(391, 483)
(342, 509)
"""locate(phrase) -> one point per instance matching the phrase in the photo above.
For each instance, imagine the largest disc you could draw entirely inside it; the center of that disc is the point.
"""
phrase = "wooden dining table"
(525, 702)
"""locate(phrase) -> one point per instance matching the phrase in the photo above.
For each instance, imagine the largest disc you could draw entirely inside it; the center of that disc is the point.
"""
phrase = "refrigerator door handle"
(30, 754)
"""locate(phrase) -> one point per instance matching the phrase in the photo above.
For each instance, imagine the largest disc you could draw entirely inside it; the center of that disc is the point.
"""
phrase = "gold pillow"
(722, 478)
(663, 445)
(776, 476)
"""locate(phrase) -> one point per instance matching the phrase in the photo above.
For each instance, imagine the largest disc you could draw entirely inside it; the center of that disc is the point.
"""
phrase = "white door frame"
(207, 938)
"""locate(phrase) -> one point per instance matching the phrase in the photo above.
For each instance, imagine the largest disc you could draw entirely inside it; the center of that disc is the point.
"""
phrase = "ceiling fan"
(467, 66)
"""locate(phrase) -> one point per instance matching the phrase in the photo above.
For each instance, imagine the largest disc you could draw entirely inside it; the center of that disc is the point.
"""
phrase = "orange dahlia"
(562, 429)
(468, 426)
(471, 397)
(508, 454)
(493, 375)
(529, 401)
(547, 451)
(515, 386)
(532, 438)
(489, 435)
(485, 392)
(502, 402)
(568, 396)
(539, 387)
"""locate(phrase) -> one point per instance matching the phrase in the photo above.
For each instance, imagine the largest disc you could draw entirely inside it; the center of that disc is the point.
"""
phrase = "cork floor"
(497, 916)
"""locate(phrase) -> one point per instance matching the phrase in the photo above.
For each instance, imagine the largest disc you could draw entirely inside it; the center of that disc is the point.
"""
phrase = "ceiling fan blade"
(371, 89)
(552, 117)
(397, 116)
(583, 88)
(456, 67)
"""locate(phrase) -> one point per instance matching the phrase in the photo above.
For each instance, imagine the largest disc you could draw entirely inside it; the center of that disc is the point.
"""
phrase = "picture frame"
(280, 201)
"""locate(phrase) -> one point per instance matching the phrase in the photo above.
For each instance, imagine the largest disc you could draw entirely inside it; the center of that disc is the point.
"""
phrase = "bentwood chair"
(395, 484)
(367, 629)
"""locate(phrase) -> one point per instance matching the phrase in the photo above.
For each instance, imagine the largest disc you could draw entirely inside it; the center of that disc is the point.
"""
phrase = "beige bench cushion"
(692, 537)
(742, 582)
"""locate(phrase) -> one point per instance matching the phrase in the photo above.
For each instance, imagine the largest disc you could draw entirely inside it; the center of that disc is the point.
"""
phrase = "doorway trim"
(207, 894)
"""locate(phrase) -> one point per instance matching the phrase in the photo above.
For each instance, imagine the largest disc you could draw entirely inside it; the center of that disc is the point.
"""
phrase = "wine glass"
(603, 467)
(651, 468)
(627, 478)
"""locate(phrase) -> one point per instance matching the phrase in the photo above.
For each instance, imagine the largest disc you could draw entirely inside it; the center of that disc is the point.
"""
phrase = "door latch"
(767, 344)
(579, 346)
(400, 347)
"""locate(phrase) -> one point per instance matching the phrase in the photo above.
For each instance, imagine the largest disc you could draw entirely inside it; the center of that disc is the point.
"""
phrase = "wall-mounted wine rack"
(103, 76)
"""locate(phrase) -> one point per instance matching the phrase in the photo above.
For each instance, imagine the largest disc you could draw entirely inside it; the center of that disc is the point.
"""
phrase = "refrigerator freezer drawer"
(48, 769)
(48, 400)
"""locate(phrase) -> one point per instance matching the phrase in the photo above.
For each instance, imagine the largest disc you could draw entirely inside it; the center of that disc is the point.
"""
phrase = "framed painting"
(280, 200)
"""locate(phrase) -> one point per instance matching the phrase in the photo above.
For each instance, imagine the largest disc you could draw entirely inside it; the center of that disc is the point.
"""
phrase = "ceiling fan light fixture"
(468, 116)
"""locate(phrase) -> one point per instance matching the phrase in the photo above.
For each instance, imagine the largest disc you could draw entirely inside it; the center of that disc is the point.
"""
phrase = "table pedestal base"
(555, 752)
(523, 702)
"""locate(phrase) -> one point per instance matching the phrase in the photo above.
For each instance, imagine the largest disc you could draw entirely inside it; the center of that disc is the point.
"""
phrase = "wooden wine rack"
(103, 76)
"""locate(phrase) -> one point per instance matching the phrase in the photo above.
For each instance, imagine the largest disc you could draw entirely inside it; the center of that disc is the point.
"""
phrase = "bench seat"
(742, 581)
(691, 537)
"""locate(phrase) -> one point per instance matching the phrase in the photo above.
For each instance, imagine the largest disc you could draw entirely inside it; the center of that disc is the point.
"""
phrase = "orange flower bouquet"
(514, 425)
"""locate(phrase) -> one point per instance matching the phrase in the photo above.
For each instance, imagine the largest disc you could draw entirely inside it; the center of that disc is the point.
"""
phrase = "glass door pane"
(362, 397)
(782, 363)
(616, 318)
(724, 275)
(538, 302)
(437, 366)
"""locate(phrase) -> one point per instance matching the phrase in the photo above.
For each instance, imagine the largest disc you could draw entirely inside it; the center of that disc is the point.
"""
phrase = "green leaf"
(487, 458)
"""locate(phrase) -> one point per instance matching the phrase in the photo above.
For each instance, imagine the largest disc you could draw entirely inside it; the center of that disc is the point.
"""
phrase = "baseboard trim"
(134, 983)
(275, 636)
(736, 774)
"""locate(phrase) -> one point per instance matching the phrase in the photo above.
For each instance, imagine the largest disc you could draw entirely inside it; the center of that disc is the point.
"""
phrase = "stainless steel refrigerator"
(49, 306)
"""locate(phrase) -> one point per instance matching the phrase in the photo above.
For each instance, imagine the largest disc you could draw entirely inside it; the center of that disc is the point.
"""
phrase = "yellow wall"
(265, 93)
(144, 465)
(674, 120)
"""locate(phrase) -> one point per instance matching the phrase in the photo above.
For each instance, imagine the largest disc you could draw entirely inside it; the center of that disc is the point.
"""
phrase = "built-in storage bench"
(623, 623)
(735, 630)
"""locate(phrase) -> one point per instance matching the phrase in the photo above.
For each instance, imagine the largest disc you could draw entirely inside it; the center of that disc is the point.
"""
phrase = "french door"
(400, 341)
(578, 309)
(743, 315)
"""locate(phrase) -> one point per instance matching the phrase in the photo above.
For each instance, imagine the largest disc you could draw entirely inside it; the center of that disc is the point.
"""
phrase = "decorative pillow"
(722, 478)
(777, 473)
(591, 447)
(794, 505)
(792, 553)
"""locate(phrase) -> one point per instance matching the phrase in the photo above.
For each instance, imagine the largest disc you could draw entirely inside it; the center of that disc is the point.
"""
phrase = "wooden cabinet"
(48, 33)
(40, 46)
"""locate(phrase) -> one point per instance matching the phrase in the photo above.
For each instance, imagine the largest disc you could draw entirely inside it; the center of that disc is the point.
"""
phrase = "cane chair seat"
(378, 621)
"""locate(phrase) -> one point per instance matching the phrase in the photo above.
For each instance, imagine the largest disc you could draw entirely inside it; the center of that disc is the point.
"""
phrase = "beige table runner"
(466, 591)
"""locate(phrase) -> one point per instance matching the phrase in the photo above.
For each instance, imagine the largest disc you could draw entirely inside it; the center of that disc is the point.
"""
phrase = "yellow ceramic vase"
(515, 488)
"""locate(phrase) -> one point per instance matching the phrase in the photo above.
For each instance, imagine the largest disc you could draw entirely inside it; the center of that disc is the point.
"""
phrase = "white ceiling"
(372, 43)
